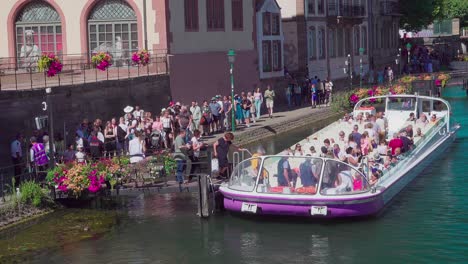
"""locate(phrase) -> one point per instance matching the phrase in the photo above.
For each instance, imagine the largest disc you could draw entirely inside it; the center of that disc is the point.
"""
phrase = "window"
(331, 42)
(348, 48)
(266, 23)
(357, 40)
(275, 24)
(38, 30)
(277, 58)
(191, 15)
(339, 37)
(112, 28)
(364, 38)
(237, 15)
(311, 7)
(312, 45)
(339, 178)
(266, 55)
(321, 43)
(320, 7)
(302, 172)
(215, 14)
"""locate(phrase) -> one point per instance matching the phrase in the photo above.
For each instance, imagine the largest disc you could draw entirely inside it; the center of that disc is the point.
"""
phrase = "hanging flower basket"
(102, 60)
(50, 63)
(141, 57)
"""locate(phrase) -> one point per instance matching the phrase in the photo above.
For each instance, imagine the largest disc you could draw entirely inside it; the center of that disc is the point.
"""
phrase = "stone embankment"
(282, 122)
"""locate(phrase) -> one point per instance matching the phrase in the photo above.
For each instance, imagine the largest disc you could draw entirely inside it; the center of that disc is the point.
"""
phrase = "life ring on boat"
(443, 131)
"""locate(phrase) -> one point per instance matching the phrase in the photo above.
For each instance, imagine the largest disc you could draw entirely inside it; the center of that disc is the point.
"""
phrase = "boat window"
(401, 104)
(290, 175)
(244, 175)
(340, 178)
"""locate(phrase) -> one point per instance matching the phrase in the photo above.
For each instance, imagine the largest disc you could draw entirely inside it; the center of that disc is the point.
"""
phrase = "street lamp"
(398, 61)
(361, 52)
(408, 47)
(232, 58)
(348, 70)
(51, 127)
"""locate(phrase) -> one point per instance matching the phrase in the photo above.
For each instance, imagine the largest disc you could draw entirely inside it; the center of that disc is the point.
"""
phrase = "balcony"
(346, 10)
(345, 13)
(389, 8)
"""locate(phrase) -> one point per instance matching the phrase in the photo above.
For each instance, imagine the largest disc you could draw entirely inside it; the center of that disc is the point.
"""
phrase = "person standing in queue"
(39, 159)
(180, 147)
(221, 151)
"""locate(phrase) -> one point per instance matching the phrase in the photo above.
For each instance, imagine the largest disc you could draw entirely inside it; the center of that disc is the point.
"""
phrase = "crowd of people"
(311, 91)
(368, 139)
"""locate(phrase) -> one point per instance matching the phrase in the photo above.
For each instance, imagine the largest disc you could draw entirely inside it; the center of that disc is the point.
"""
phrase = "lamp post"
(231, 58)
(361, 52)
(348, 70)
(51, 127)
(398, 61)
(408, 47)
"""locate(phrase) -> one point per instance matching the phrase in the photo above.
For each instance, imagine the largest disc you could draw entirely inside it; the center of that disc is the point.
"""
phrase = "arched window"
(112, 28)
(312, 45)
(38, 30)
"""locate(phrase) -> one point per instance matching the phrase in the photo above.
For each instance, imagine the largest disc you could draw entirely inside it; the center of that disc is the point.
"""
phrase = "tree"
(417, 15)
(448, 9)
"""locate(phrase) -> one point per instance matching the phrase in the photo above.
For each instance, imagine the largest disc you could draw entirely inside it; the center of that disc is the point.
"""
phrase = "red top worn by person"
(395, 143)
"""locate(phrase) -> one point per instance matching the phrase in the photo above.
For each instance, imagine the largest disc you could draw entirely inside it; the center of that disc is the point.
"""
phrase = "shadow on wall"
(71, 104)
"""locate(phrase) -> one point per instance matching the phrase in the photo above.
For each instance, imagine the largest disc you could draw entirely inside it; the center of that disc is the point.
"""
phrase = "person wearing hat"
(216, 111)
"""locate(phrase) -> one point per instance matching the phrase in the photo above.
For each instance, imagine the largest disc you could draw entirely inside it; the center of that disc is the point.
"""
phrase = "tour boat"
(337, 189)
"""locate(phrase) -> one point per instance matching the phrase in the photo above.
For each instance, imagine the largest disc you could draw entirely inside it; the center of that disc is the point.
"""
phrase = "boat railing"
(240, 155)
(408, 157)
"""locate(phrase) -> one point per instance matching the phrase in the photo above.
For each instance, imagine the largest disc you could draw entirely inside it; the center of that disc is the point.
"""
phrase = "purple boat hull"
(343, 208)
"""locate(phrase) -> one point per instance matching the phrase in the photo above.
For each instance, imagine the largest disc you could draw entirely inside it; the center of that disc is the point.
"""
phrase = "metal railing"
(346, 10)
(389, 8)
(77, 71)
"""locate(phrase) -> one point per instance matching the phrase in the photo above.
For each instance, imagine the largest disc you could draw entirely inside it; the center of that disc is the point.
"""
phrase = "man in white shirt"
(136, 149)
(17, 154)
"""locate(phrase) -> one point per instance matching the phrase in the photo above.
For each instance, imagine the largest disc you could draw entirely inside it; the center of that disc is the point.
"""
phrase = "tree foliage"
(417, 15)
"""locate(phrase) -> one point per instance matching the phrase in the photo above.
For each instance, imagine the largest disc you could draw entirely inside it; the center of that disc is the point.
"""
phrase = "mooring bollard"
(203, 205)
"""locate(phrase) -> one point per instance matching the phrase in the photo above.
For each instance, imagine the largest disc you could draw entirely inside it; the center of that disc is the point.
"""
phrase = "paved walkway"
(280, 123)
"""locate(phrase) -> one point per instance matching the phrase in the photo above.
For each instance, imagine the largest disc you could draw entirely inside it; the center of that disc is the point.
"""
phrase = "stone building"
(321, 35)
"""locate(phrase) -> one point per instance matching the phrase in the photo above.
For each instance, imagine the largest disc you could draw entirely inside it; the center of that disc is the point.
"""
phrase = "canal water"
(426, 223)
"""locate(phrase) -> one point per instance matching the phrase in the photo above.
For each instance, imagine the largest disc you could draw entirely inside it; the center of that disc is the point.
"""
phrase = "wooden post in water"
(203, 205)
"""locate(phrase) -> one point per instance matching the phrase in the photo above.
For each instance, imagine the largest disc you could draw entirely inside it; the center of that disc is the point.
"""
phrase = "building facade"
(321, 36)
(77, 29)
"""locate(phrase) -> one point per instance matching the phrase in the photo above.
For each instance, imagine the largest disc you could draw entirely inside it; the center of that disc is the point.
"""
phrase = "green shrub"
(33, 194)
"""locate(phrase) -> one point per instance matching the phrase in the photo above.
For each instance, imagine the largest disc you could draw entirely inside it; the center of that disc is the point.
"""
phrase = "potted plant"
(102, 60)
(141, 57)
(50, 63)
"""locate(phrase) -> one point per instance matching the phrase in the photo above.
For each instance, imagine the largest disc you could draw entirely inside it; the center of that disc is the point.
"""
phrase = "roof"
(260, 3)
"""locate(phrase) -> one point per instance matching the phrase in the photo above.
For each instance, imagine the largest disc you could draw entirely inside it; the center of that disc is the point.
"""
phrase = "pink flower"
(63, 188)
(370, 92)
(354, 98)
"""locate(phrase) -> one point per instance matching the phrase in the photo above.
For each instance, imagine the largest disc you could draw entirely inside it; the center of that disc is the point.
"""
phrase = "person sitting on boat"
(408, 131)
(411, 117)
(381, 121)
(375, 175)
(433, 119)
(308, 177)
(395, 143)
(351, 142)
(382, 148)
(324, 153)
(365, 143)
(359, 118)
(407, 143)
(343, 183)
(255, 162)
(298, 150)
(356, 135)
(338, 154)
(422, 120)
(342, 138)
(358, 183)
(418, 132)
(284, 172)
(313, 152)
(350, 158)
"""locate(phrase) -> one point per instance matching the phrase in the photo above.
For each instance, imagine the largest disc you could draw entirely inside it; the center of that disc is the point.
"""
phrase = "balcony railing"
(389, 8)
(346, 10)
(15, 76)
